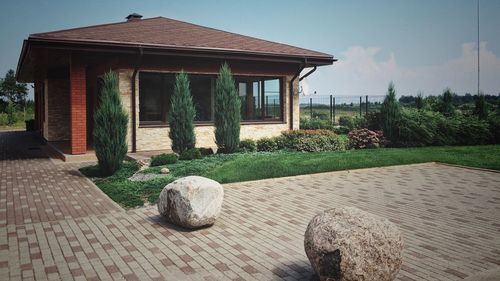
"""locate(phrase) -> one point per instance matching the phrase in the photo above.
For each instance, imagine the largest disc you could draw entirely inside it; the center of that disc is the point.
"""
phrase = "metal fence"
(333, 107)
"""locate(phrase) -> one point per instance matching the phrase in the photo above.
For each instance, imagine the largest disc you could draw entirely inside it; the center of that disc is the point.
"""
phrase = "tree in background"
(446, 103)
(227, 112)
(110, 128)
(419, 100)
(181, 115)
(13, 92)
(481, 108)
(390, 112)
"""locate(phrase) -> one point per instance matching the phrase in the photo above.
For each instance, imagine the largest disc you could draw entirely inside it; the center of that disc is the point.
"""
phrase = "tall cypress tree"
(390, 111)
(480, 108)
(446, 103)
(181, 115)
(110, 130)
(227, 112)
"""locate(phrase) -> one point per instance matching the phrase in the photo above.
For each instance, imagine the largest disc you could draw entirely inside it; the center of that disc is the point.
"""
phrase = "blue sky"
(419, 44)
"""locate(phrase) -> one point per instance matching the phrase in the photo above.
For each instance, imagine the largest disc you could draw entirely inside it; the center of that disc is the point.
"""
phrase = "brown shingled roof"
(173, 34)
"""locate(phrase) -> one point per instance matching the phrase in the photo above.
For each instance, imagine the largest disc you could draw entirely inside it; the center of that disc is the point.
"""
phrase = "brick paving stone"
(55, 224)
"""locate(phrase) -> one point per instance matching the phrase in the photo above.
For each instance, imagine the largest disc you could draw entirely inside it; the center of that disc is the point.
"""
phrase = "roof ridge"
(89, 26)
(234, 33)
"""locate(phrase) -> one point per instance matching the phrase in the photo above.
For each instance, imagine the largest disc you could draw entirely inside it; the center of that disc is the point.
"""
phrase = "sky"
(420, 45)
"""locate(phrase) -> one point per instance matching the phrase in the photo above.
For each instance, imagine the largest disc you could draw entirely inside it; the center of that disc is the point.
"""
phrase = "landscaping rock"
(349, 244)
(164, 171)
(191, 202)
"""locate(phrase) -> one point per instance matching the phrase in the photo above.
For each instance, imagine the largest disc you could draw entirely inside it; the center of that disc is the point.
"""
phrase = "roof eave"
(314, 60)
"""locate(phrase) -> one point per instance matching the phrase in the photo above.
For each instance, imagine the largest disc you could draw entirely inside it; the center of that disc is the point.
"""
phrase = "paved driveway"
(55, 224)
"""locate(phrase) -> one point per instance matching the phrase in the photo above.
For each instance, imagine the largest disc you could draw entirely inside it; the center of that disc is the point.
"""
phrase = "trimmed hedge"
(163, 159)
(267, 145)
(247, 145)
(190, 154)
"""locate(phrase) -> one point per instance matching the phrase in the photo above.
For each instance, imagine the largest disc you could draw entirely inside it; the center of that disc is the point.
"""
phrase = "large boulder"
(349, 244)
(191, 202)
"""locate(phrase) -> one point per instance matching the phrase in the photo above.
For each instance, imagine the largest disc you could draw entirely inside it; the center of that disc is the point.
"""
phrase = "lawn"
(254, 166)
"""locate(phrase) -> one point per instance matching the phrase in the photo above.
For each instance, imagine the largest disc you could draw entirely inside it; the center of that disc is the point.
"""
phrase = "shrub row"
(423, 128)
(299, 140)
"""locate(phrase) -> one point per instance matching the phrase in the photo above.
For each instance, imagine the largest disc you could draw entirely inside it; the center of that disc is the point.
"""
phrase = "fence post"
(360, 106)
(331, 109)
(366, 104)
(311, 106)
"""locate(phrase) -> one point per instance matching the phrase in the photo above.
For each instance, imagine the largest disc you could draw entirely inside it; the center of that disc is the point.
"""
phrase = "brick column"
(78, 108)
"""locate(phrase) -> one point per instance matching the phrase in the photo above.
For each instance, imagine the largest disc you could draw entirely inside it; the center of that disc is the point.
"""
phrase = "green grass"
(254, 166)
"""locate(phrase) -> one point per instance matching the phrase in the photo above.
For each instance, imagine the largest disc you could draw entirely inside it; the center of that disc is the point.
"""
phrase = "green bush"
(315, 123)
(181, 115)
(494, 124)
(364, 138)
(163, 159)
(341, 130)
(312, 140)
(110, 129)
(267, 145)
(4, 119)
(390, 113)
(227, 112)
(472, 131)
(445, 104)
(11, 114)
(205, 151)
(248, 145)
(351, 122)
(190, 154)
(424, 128)
(373, 121)
(481, 108)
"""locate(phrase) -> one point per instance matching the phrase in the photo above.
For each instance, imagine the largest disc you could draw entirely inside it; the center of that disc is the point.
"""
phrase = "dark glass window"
(155, 90)
(260, 98)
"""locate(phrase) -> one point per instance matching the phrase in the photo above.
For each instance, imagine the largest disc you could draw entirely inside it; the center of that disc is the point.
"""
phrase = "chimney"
(134, 17)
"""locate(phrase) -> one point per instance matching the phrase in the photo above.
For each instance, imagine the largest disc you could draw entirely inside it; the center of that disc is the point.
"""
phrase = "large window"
(155, 90)
(261, 98)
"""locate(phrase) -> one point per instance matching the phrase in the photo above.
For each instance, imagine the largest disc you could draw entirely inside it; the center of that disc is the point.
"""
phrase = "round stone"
(349, 244)
(191, 202)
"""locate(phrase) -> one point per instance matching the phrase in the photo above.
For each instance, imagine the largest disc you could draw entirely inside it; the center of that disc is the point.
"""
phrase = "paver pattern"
(55, 224)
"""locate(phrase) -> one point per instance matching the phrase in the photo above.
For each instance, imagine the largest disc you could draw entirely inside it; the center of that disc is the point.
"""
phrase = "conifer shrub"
(227, 112)
(445, 104)
(181, 115)
(110, 129)
(481, 109)
(390, 112)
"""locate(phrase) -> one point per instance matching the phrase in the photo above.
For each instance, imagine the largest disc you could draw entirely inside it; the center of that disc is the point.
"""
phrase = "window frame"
(161, 124)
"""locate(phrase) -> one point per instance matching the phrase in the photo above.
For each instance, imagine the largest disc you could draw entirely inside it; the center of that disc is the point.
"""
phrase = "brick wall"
(157, 138)
(58, 112)
(78, 109)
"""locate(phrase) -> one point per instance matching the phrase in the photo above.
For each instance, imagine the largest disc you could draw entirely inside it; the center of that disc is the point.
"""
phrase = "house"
(65, 67)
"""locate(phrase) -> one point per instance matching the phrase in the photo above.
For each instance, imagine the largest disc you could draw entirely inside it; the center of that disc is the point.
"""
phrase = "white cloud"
(358, 72)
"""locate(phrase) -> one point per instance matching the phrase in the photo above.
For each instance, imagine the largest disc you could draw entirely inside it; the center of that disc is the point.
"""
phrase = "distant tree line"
(455, 99)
